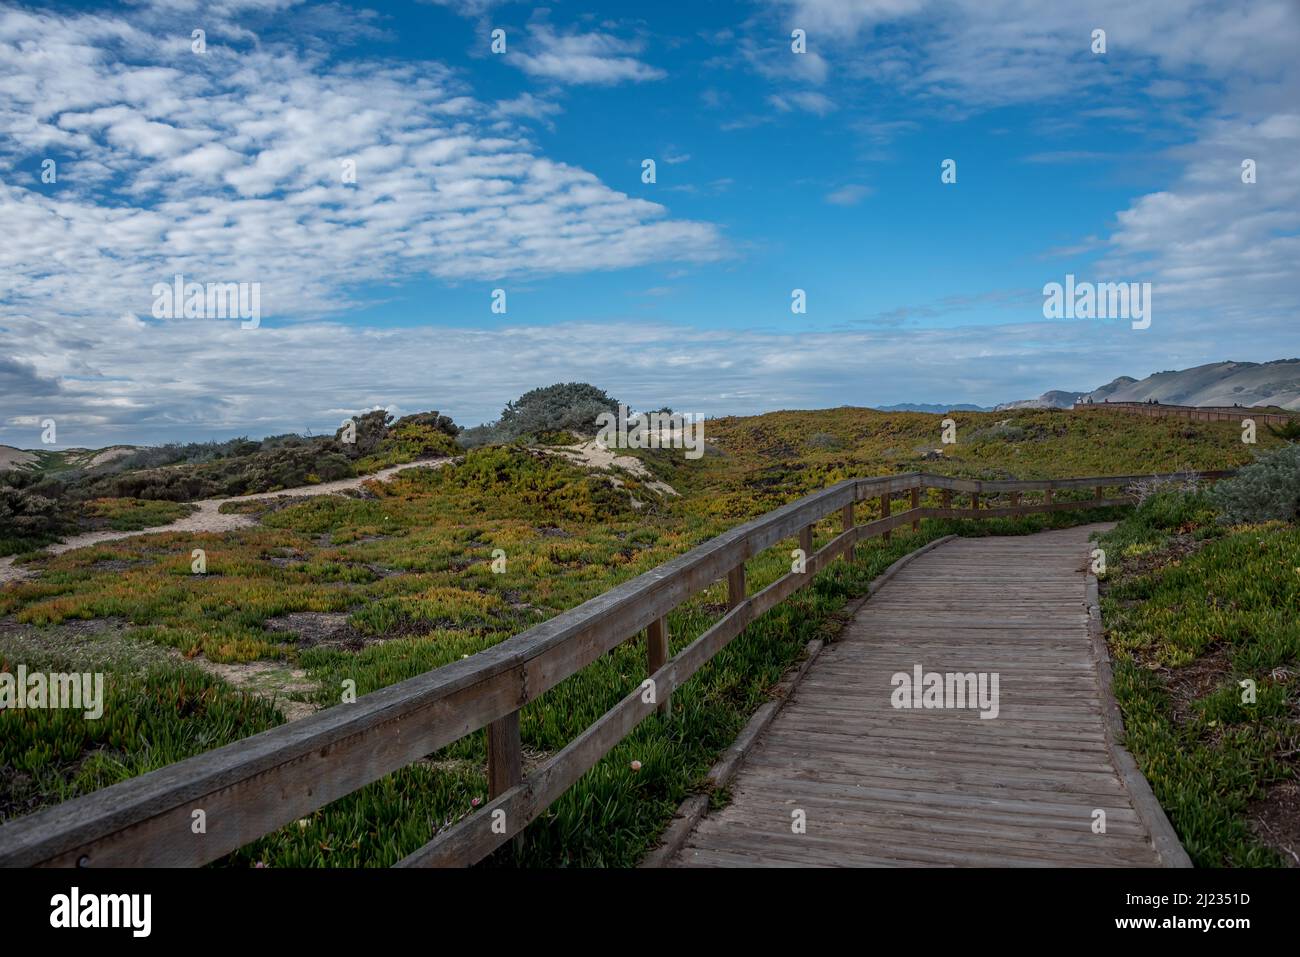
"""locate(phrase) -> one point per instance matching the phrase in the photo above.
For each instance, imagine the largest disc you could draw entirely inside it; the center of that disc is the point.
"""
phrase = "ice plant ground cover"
(1203, 621)
(377, 588)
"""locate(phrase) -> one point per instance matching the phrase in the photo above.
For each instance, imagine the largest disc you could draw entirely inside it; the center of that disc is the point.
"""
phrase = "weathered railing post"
(1099, 495)
(884, 512)
(975, 501)
(945, 498)
(505, 754)
(657, 656)
(1047, 497)
(806, 542)
(736, 586)
(1015, 499)
(505, 760)
(846, 523)
(916, 503)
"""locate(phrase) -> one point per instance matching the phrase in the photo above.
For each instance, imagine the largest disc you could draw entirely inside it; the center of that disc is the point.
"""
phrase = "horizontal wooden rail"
(1270, 415)
(256, 785)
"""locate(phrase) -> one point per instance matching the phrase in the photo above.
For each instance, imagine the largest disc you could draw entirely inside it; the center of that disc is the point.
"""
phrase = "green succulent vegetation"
(1202, 609)
(381, 585)
(133, 514)
(50, 755)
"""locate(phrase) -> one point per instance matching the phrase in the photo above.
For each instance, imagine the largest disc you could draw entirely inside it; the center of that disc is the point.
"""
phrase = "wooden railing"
(261, 783)
(1194, 413)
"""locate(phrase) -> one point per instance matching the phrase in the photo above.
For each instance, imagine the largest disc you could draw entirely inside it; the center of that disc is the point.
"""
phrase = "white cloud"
(177, 380)
(469, 8)
(842, 19)
(849, 195)
(527, 106)
(776, 61)
(582, 58)
(229, 168)
(809, 101)
(991, 52)
(1211, 242)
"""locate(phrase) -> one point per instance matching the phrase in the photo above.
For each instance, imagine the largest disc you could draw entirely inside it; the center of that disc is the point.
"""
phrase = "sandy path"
(209, 518)
(594, 455)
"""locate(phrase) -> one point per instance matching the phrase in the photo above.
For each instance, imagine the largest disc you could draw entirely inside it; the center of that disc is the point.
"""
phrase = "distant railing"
(1196, 413)
(256, 785)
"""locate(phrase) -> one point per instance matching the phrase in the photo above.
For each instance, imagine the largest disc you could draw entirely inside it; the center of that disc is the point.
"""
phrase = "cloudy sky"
(128, 156)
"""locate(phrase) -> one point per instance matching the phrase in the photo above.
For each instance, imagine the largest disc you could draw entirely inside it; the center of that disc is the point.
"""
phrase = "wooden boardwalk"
(877, 785)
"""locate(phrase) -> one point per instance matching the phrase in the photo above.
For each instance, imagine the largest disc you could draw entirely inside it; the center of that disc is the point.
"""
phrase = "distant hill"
(932, 407)
(44, 460)
(1218, 383)
(12, 458)
(1055, 399)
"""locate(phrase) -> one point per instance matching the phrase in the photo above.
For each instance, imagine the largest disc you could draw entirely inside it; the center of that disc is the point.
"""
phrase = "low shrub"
(1289, 431)
(568, 407)
(1001, 432)
(29, 520)
(1267, 490)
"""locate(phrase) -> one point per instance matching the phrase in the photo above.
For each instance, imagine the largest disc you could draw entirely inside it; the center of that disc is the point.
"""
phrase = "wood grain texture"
(505, 754)
(885, 786)
(657, 656)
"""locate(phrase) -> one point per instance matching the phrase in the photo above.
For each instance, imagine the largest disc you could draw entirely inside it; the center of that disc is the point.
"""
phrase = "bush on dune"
(27, 514)
(1268, 490)
(412, 437)
(564, 407)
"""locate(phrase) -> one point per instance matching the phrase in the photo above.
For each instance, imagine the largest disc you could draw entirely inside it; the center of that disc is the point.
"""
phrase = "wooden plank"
(735, 586)
(889, 834)
(505, 754)
(657, 656)
(834, 850)
(846, 524)
(806, 540)
(890, 806)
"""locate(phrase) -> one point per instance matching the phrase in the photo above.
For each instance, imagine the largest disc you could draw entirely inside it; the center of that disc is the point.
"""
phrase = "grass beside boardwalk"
(1192, 610)
(155, 712)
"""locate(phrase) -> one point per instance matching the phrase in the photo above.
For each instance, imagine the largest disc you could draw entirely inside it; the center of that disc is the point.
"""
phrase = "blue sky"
(522, 171)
